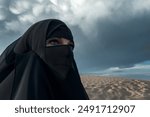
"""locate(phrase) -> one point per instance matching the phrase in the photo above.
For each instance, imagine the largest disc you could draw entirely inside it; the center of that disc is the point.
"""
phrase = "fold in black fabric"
(31, 71)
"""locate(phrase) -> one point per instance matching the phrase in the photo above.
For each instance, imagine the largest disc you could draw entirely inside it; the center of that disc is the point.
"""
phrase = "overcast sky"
(111, 36)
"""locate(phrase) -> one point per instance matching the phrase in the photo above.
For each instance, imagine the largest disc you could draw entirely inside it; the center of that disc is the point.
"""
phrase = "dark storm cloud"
(112, 33)
(117, 43)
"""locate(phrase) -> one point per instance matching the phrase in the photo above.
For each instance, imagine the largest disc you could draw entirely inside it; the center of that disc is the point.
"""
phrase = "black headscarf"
(31, 70)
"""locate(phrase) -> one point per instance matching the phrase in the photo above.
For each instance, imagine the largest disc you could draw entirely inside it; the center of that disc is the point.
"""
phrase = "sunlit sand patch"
(113, 88)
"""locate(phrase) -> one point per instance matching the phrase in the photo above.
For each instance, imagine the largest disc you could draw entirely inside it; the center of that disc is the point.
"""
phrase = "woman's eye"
(53, 42)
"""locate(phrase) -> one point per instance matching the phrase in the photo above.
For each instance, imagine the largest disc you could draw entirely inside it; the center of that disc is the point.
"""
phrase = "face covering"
(59, 59)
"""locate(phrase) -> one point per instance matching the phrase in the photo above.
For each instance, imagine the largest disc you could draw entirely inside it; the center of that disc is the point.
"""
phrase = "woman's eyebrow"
(51, 39)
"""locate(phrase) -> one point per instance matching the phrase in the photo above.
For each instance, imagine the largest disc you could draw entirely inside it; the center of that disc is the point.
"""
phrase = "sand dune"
(111, 88)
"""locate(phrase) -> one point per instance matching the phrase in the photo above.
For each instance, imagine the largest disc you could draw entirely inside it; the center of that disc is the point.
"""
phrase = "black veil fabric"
(31, 71)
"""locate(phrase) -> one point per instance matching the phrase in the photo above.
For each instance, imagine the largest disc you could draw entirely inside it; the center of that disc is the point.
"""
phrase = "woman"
(40, 65)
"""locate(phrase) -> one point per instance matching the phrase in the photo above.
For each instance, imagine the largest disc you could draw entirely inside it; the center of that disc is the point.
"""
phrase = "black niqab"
(30, 70)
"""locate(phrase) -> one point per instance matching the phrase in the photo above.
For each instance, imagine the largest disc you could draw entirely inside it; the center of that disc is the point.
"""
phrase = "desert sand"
(113, 88)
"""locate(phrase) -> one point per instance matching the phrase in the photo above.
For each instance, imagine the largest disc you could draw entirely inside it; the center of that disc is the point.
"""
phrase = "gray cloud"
(119, 43)
(119, 40)
(112, 33)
